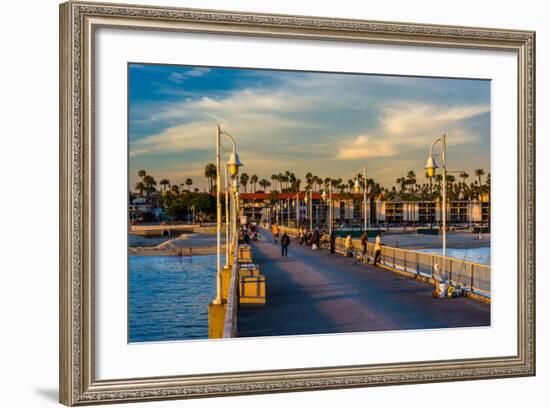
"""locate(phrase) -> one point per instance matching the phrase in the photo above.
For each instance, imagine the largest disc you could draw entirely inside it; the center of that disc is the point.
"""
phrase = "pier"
(316, 292)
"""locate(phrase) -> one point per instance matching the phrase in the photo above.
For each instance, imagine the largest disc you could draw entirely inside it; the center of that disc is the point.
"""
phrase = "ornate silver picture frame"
(79, 22)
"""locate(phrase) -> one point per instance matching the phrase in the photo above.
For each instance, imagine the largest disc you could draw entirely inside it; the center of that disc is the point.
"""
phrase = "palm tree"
(438, 179)
(244, 180)
(309, 179)
(283, 180)
(411, 179)
(287, 177)
(140, 186)
(479, 173)
(316, 182)
(264, 184)
(275, 178)
(188, 183)
(210, 172)
(463, 175)
(253, 180)
(165, 183)
(336, 183)
(401, 181)
(450, 179)
(142, 173)
(150, 183)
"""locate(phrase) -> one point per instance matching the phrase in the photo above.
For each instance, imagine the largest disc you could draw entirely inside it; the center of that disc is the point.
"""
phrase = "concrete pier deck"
(314, 292)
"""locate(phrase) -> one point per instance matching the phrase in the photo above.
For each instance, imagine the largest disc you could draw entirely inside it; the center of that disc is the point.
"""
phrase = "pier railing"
(471, 276)
(231, 311)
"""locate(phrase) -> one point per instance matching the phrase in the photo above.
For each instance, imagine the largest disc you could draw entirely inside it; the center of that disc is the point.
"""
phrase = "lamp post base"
(216, 319)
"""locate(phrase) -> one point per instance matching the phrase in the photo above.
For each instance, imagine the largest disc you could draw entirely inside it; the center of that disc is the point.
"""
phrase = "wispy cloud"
(410, 125)
(174, 139)
(365, 147)
(179, 77)
(423, 119)
(253, 115)
(316, 122)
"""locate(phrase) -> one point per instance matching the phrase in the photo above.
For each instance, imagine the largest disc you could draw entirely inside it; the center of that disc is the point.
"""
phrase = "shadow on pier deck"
(314, 292)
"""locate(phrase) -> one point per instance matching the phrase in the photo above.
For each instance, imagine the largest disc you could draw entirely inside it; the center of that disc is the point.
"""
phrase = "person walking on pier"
(364, 240)
(285, 242)
(309, 237)
(332, 242)
(377, 249)
(275, 231)
(316, 238)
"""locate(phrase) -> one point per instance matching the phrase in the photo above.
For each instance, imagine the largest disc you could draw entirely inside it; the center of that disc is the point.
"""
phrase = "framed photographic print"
(258, 203)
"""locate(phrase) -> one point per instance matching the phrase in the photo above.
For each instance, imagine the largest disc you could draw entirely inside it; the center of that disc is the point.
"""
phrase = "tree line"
(177, 199)
(406, 188)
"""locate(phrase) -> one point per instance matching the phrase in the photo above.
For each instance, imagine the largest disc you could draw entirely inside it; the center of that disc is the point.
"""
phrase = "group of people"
(349, 249)
(315, 238)
(248, 232)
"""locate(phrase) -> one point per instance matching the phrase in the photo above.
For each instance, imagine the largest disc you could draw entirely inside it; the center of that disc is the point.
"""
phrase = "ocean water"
(476, 255)
(168, 297)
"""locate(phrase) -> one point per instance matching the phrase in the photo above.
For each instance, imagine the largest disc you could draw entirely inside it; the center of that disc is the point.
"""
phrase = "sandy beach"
(458, 240)
(200, 244)
(205, 244)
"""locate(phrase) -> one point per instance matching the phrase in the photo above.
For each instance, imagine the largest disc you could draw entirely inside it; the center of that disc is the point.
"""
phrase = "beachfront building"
(143, 209)
(348, 210)
(460, 213)
(139, 208)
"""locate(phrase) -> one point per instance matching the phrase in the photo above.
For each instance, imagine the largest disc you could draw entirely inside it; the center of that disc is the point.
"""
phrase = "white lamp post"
(236, 186)
(310, 202)
(357, 189)
(237, 211)
(324, 197)
(288, 212)
(298, 210)
(234, 164)
(227, 218)
(431, 165)
(311, 209)
(306, 203)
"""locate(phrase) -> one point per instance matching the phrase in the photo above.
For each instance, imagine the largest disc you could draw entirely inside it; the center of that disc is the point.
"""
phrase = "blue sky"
(327, 123)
